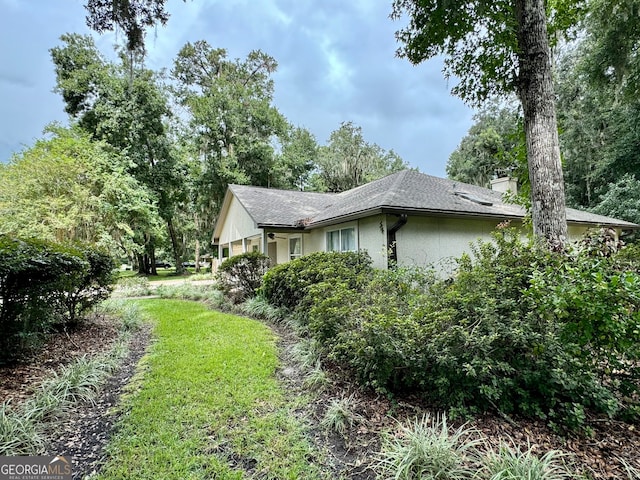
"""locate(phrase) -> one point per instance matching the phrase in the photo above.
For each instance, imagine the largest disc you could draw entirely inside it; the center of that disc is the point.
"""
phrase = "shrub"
(42, 283)
(84, 279)
(286, 285)
(519, 330)
(240, 276)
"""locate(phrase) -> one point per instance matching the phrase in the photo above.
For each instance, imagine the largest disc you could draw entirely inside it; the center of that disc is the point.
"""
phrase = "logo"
(35, 468)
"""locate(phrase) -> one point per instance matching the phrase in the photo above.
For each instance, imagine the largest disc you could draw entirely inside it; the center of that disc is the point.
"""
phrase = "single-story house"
(407, 217)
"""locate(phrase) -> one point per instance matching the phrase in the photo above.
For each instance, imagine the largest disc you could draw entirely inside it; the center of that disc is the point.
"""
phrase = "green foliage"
(518, 329)
(287, 285)
(259, 307)
(510, 463)
(479, 40)
(340, 415)
(427, 448)
(240, 276)
(494, 144)
(133, 17)
(348, 161)
(24, 428)
(42, 283)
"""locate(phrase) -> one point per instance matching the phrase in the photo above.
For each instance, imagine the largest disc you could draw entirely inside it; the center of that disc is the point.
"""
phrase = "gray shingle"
(408, 191)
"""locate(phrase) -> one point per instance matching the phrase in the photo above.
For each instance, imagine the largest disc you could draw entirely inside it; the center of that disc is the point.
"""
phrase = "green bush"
(286, 285)
(519, 330)
(240, 276)
(42, 283)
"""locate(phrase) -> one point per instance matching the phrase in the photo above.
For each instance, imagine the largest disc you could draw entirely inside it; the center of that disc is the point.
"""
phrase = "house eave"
(386, 210)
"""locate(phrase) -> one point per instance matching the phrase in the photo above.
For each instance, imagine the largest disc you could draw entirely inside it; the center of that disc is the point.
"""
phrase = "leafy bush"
(519, 330)
(42, 283)
(287, 284)
(240, 276)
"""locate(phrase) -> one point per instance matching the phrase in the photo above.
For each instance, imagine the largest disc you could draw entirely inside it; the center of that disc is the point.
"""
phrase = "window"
(255, 248)
(295, 247)
(343, 240)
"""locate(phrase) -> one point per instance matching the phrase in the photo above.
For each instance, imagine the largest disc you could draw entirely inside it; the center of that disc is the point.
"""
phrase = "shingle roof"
(272, 207)
(407, 191)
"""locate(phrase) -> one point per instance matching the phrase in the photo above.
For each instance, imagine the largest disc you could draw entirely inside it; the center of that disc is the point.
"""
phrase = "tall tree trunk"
(176, 246)
(197, 256)
(535, 89)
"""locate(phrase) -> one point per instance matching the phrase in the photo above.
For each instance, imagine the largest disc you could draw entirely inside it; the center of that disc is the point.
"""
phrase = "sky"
(336, 63)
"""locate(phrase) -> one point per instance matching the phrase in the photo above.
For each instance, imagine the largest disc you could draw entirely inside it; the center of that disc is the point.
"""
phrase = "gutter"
(392, 259)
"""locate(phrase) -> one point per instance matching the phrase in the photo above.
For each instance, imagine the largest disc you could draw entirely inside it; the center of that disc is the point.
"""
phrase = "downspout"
(392, 259)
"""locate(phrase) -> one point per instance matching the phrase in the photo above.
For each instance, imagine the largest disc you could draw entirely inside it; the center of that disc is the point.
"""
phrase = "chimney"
(504, 185)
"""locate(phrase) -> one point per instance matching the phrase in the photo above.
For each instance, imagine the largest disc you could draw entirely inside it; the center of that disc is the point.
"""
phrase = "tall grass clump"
(511, 463)
(259, 307)
(428, 449)
(340, 415)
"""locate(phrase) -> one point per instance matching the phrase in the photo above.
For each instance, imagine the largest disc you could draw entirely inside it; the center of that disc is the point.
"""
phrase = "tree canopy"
(495, 48)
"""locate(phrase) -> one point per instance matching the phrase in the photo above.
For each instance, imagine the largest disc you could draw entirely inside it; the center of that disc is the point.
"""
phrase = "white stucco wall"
(372, 238)
(238, 224)
(434, 241)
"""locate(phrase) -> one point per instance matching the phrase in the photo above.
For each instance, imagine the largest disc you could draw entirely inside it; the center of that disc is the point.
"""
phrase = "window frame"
(293, 256)
(354, 228)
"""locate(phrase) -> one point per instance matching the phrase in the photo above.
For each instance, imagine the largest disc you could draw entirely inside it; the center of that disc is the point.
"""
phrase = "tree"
(131, 16)
(493, 145)
(348, 161)
(297, 160)
(232, 124)
(126, 107)
(598, 111)
(68, 188)
(496, 48)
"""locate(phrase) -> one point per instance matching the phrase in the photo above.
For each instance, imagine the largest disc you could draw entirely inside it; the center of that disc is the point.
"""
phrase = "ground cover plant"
(24, 428)
(207, 404)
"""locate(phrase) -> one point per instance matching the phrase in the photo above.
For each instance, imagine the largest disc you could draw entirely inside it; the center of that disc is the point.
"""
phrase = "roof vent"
(472, 198)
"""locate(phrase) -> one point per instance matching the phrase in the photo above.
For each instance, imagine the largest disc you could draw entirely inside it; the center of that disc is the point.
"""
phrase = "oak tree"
(497, 47)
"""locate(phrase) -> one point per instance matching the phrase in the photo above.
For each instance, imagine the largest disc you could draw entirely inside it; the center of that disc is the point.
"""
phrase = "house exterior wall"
(437, 241)
(238, 224)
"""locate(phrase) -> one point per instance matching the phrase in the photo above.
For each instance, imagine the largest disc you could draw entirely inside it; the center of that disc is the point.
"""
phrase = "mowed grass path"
(206, 404)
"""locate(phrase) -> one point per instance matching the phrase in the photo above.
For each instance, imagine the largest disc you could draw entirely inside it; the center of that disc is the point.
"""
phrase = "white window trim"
(339, 229)
(290, 255)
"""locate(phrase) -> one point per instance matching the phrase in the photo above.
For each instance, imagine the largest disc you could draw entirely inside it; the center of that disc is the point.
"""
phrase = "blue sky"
(336, 62)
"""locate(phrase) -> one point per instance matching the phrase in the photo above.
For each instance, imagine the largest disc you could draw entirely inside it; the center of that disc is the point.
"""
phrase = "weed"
(428, 449)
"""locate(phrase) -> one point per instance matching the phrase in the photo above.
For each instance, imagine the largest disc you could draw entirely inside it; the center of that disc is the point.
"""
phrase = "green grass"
(163, 274)
(208, 404)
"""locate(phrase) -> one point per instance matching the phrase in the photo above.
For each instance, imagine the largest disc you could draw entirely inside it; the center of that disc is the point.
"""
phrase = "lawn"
(206, 403)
